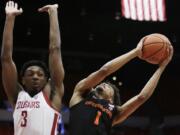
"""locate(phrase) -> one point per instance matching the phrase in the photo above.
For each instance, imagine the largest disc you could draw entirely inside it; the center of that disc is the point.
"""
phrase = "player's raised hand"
(12, 9)
(48, 8)
(170, 54)
(139, 47)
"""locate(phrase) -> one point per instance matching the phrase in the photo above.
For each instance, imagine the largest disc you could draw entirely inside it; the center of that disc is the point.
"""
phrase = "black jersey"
(92, 116)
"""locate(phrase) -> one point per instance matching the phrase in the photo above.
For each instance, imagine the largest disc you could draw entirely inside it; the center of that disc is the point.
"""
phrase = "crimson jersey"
(34, 115)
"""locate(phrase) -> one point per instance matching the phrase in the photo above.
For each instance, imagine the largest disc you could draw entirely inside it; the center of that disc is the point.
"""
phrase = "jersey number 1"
(96, 121)
(24, 118)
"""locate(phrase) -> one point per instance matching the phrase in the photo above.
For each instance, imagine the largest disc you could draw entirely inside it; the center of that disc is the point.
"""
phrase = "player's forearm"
(120, 61)
(7, 41)
(151, 84)
(54, 36)
(55, 60)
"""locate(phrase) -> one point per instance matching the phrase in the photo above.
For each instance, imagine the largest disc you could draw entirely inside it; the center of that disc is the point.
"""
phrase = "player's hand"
(12, 9)
(139, 47)
(48, 8)
(168, 59)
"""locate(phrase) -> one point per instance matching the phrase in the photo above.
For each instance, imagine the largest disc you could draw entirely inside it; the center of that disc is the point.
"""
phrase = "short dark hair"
(116, 98)
(34, 63)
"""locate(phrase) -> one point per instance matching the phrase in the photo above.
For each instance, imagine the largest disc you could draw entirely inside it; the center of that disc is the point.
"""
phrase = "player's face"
(105, 91)
(34, 78)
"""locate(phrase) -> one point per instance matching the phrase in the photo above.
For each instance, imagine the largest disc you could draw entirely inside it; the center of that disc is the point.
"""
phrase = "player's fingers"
(11, 3)
(7, 4)
(171, 50)
(45, 8)
(15, 5)
(56, 5)
(20, 10)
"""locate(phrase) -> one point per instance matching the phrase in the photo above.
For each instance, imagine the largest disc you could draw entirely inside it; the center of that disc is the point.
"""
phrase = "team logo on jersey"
(28, 104)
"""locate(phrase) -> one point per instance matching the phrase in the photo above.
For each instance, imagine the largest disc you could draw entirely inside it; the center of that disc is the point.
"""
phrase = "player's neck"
(33, 92)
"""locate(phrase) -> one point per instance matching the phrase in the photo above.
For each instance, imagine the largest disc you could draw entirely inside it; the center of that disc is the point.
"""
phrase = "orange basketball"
(155, 48)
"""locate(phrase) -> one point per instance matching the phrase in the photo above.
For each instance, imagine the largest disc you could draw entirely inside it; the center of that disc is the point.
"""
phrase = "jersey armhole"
(49, 102)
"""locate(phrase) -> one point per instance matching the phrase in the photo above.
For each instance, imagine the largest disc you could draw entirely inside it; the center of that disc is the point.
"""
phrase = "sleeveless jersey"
(34, 115)
(92, 116)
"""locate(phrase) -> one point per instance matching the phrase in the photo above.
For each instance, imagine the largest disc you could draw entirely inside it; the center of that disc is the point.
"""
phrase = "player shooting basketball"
(37, 101)
(97, 112)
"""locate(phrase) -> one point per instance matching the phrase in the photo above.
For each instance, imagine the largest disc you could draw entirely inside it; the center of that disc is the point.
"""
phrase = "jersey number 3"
(24, 118)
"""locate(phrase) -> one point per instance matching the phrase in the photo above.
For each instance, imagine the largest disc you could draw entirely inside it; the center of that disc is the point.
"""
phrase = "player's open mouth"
(99, 89)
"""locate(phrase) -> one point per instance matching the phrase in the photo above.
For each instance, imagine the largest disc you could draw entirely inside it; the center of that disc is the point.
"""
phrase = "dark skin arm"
(55, 59)
(9, 71)
(134, 103)
(98, 76)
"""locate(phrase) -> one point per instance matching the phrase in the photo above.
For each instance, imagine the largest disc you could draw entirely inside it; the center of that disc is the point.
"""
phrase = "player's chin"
(36, 88)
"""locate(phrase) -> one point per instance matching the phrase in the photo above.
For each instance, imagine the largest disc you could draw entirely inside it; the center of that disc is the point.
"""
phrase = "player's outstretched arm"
(98, 76)
(131, 105)
(55, 59)
(9, 72)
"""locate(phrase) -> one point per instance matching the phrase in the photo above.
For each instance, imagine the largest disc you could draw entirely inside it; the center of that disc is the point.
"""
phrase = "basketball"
(155, 48)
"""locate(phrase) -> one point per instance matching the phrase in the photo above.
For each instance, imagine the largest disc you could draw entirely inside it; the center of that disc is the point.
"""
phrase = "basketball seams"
(159, 37)
(155, 48)
(165, 54)
(162, 40)
(153, 43)
(152, 54)
(164, 47)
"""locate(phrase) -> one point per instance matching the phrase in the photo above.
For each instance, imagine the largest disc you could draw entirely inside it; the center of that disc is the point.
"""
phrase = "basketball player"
(96, 112)
(37, 101)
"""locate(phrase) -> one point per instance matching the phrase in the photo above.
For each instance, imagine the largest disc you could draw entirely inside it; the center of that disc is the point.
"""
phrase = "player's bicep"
(56, 68)
(86, 85)
(75, 99)
(90, 81)
(10, 81)
(58, 88)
